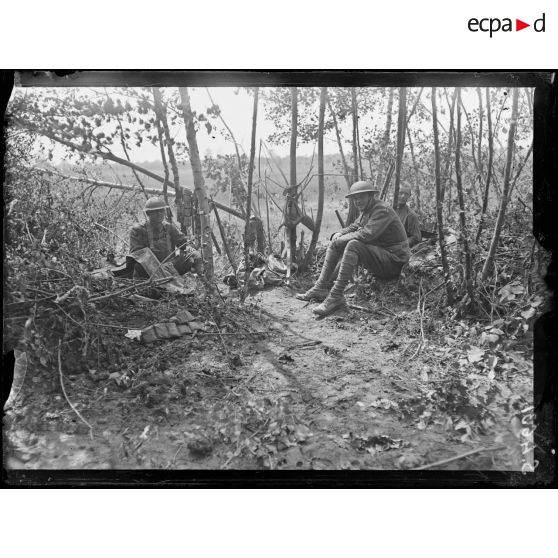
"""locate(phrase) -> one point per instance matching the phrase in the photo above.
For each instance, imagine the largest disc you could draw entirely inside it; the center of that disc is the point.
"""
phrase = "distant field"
(335, 187)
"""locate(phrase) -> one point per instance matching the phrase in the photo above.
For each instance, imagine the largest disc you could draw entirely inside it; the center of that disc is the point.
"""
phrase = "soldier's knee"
(334, 248)
(353, 245)
(355, 248)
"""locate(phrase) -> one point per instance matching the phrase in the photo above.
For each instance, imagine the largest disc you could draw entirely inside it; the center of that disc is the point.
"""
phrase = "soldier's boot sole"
(329, 306)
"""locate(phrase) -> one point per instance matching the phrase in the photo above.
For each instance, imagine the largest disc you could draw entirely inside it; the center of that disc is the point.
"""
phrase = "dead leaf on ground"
(286, 358)
(302, 433)
(376, 443)
(134, 334)
(410, 461)
(384, 404)
(475, 354)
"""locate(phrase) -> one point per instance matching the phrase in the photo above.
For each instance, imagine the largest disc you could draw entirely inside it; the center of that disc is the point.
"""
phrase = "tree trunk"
(353, 211)
(352, 208)
(401, 121)
(235, 191)
(270, 244)
(321, 179)
(416, 181)
(387, 132)
(414, 108)
(125, 149)
(184, 212)
(462, 220)
(158, 122)
(354, 114)
(340, 145)
(389, 111)
(479, 145)
(439, 201)
(224, 238)
(474, 147)
(249, 193)
(199, 182)
(489, 262)
(447, 169)
(292, 191)
(488, 167)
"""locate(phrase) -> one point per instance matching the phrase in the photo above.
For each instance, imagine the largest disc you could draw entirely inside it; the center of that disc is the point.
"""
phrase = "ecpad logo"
(494, 24)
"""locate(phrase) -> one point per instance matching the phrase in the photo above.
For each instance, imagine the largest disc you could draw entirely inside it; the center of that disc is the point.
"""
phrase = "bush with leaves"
(55, 235)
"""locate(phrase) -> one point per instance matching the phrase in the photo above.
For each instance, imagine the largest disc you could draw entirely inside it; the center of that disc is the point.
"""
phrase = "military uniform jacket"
(410, 223)
(162, 240)
(380, 226)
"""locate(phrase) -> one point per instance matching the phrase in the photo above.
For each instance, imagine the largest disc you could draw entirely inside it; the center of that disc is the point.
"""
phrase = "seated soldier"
(408, 216)
(377, 241)
(162, 239)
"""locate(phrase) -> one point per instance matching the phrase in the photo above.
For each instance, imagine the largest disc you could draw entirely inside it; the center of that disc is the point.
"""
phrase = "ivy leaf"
(528, 313)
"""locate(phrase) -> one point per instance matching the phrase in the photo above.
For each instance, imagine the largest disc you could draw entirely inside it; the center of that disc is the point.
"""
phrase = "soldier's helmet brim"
(361, 187)
(155, 204)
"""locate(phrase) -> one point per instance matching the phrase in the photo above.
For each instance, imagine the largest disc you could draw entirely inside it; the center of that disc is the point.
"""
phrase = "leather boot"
(335, 298)
(329, 305)
(315, 293)
(324, 283)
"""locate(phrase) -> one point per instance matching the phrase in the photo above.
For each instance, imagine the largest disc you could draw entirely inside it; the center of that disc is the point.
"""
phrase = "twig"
(66, 396)
(364, 309)
(303, 345)
(175, 456)
(247, 333)
(420, 311)
(221, 338)
(460, 456)
(125, 242)
(147, 283)
(434, 288)
(418, 384)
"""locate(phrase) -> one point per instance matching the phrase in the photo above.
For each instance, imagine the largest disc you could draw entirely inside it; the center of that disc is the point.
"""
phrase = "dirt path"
(344, 378)
(295, 393)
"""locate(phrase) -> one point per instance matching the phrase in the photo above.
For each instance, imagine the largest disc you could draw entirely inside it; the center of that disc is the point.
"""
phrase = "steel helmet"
(154, 204)
(360, 187)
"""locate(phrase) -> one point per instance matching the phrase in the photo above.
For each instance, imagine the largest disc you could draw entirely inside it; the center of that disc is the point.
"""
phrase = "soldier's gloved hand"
(334, 236)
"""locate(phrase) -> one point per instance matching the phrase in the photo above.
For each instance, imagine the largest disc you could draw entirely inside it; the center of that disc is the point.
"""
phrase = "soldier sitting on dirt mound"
(377, 241)
(408, 216)
(162, 239)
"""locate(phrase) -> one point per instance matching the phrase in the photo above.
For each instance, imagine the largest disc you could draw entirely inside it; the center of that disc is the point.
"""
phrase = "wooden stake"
(224, 237)
(340, 218)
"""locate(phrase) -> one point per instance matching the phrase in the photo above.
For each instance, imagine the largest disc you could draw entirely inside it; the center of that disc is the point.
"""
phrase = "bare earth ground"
(278, 389)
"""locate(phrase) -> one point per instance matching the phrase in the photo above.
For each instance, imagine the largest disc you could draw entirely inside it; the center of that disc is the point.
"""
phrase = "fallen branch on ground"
(66, 396)
(370, 310)
(303, 345)
(420, 311)
(460, 456)
(148, 283)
